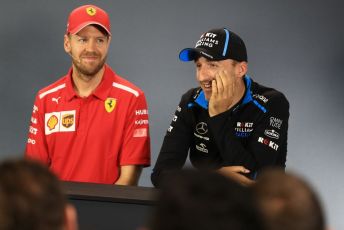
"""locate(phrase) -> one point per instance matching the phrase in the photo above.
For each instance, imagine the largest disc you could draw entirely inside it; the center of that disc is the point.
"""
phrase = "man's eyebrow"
(213, 61)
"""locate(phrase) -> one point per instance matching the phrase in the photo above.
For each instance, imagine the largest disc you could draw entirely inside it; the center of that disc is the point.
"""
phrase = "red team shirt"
(87, 139)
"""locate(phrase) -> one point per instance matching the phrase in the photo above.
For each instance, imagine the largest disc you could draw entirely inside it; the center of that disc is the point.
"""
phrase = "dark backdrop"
(294, 46)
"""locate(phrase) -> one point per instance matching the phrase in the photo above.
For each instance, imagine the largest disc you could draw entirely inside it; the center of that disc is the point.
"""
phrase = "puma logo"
(56, 99)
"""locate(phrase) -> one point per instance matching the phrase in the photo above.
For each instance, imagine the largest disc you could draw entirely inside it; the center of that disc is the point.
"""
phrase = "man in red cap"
(91, 125)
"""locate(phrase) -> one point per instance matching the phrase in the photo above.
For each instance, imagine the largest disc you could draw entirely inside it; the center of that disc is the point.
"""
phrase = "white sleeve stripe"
(126, 88)
(52, 90)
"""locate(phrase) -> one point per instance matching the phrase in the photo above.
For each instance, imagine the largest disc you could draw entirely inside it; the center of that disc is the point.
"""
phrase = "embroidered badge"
(110, 104)
(91, 11)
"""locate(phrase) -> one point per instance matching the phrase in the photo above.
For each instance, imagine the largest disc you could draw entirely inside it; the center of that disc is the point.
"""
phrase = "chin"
(207, 97)
(207, 93)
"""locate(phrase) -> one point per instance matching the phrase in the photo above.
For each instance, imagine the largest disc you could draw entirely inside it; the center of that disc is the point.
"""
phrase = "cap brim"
(83, 25)
(188, 54)
(191, 54)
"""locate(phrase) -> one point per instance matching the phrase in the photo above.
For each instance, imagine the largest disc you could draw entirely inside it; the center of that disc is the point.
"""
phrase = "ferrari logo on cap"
(91, 11)
(110, 104)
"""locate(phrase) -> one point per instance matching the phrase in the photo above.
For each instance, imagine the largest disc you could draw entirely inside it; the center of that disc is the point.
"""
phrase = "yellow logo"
(68, 120)
(52, 122)
(110, 104)
(91, 11)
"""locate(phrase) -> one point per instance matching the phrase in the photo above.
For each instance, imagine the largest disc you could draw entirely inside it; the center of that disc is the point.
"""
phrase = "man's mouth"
(206, 85)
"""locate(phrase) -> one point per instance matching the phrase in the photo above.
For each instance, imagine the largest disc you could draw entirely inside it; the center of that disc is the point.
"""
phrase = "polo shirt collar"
(102, 90)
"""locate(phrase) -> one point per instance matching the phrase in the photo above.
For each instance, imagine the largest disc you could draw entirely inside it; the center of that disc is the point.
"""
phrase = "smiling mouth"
(90, 57)
(206, 85)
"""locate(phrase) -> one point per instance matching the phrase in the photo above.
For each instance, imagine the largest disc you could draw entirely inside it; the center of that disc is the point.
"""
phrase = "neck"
(84, 85)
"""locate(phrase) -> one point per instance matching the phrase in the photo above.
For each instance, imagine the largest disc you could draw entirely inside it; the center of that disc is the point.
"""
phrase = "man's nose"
(91, 45)
(204, 75)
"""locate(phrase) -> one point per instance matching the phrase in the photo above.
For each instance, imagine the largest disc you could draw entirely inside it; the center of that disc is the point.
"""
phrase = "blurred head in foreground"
(288, 202)
(204, 201)
(31, 198)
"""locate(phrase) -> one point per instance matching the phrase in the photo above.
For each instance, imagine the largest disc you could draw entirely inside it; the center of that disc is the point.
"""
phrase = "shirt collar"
(248, 92)
(102, 90)
(201, 101)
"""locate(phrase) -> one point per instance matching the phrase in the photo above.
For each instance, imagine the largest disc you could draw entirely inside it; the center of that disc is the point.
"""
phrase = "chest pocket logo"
(202, 128)
(63, 121)
(68, 120)
(110, 104)
(52, 122)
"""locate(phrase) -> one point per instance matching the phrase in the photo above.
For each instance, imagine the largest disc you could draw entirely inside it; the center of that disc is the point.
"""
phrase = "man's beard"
(88, 72)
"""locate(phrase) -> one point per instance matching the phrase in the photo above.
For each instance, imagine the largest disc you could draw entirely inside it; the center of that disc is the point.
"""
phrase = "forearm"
(172, 157)
(231, 149)
(129, 175)
(236, 173)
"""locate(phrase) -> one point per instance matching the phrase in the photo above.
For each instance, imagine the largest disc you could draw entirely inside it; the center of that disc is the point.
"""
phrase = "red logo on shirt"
(68, 120)
(52, 122)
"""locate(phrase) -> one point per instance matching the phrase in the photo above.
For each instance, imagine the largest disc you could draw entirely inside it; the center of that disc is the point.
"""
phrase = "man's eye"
(100, 41)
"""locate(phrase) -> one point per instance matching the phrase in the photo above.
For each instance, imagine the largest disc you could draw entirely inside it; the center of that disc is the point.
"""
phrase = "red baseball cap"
(86, 15)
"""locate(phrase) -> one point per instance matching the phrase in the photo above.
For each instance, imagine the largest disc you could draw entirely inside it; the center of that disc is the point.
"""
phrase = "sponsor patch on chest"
(201, 131)
(268, 143)
(271, 133)
(243, 129)
(275, 122)
(202, 148)
(63, 121)
(110, 104)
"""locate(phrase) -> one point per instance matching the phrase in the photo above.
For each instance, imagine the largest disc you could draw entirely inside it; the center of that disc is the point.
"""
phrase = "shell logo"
(91, 11)
(52, 122)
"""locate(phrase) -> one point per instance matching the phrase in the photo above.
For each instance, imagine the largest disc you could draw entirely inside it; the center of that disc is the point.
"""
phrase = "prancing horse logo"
(201, 128)
(110, 104)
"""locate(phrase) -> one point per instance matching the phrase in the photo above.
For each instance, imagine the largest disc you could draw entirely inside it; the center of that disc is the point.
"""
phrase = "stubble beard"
(87, 72)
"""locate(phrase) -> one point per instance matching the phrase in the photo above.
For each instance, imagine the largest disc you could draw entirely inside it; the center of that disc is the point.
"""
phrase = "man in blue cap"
(230, 123)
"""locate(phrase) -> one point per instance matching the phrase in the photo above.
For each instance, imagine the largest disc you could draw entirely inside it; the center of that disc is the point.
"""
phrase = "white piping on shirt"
(126, 88)
(52, 90)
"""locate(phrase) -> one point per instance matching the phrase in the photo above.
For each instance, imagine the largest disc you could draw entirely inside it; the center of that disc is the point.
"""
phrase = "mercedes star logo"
(201, 128)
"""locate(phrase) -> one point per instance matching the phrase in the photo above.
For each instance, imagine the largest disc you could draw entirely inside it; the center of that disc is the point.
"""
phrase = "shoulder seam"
(126, 88)
(52, 90)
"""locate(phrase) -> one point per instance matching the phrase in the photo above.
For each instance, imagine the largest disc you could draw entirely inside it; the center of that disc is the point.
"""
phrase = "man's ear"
(242, 68)
(71, 218)
(66, 43)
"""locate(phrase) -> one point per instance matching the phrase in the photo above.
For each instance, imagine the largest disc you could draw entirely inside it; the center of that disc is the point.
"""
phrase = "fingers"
(235, 169)
(234, 172)
(222, 95)
(228, 82)
(224, 78)
(244, 180)
(214, 90)
(219, 83)
(240, 169)
(225, 83)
